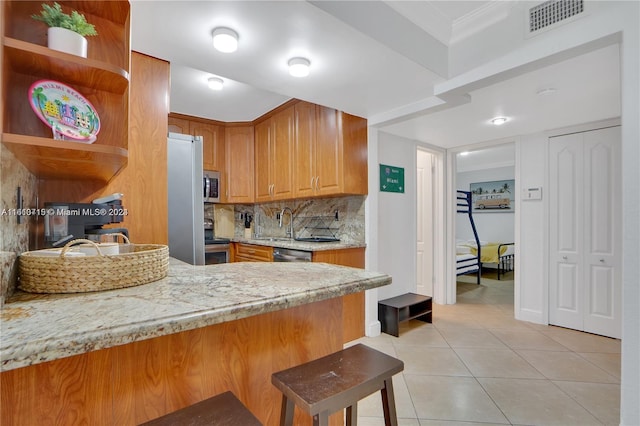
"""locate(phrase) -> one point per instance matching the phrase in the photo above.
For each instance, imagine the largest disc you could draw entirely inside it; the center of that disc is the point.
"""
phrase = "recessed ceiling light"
(215, 83)
(464, 153)
(499, 120)
(225, 40)
(299, 67)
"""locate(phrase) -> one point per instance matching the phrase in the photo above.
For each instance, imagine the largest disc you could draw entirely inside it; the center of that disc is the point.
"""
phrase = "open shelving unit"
(102, 78)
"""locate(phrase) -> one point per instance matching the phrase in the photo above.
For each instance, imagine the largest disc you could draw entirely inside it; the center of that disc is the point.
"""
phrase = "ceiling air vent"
(553, 11)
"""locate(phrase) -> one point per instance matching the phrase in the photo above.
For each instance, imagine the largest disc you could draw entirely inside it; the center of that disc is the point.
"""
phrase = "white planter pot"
(67, 41)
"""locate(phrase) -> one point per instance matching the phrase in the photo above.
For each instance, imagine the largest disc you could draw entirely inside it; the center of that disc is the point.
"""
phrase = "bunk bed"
(506, 258)
(472, 254)
(468, 263)
(499, 256)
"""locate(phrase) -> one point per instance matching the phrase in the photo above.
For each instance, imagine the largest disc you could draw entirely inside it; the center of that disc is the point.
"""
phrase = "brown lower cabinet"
(353, 304)
(132, 383)
(252, 253)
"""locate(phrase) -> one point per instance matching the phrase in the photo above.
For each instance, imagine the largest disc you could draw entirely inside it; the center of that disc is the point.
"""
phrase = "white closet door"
(566, 231)
(603, 218)
(585, 232)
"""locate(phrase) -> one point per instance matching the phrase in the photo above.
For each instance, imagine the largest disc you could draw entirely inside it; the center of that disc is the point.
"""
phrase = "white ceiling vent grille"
(553, 11)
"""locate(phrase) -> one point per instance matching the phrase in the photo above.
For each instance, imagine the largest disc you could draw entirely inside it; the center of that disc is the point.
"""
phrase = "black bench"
(393, 311)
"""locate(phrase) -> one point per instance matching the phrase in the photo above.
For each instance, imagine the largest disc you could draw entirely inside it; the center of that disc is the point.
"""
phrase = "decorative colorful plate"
(67, 112)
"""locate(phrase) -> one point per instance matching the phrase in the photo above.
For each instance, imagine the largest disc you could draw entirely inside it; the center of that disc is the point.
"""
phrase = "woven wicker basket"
(65, 274)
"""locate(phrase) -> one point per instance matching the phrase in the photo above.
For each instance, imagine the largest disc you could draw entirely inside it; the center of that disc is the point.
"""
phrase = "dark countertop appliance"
(67, 221)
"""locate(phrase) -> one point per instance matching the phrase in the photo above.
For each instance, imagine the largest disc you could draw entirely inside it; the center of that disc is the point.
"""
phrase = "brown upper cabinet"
(179, 125)
(212, 139)
(238, 177)
(298, 150)
(330, 152)
(102, 78)
(274, 159)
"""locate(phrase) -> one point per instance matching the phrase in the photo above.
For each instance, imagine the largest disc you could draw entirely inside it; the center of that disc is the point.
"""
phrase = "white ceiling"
(350, 71)
(587, 89)
(368, 58)
(486, 158)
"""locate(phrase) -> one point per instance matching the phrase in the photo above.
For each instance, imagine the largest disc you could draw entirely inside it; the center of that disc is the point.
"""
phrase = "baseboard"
(373, 329)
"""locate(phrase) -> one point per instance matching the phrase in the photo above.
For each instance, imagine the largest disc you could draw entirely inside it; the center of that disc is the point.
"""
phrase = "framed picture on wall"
(494, 196)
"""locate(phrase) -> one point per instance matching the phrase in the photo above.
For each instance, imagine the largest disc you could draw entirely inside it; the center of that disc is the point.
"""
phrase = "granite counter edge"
(36, 352)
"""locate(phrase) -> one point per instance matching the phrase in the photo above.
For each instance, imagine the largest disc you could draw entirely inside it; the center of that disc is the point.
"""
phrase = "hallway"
(477, 365)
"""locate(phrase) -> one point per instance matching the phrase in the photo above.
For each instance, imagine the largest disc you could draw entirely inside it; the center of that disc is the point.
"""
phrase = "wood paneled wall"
(143, 181)
(129, 384)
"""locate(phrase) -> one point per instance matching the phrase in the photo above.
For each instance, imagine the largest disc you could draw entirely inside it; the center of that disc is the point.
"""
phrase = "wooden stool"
(338, 381)
(221, 410)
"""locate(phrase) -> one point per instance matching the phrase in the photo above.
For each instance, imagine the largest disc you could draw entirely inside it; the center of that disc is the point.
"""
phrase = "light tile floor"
(477, 365)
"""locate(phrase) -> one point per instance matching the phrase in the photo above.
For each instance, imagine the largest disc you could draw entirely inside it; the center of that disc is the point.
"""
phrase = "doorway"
(490, 170)
(430, 215)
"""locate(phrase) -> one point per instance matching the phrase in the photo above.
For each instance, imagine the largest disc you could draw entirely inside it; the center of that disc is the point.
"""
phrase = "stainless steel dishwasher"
(290, 255)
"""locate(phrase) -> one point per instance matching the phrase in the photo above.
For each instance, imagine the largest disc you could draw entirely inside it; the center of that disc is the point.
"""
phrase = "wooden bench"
(221, 410)
(393, 311)
(338, 381)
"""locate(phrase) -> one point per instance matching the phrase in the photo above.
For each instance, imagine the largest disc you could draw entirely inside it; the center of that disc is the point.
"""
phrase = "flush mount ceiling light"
(215, 83)
(499, 120)
(225, 40)
(464, 153)
(299, 67)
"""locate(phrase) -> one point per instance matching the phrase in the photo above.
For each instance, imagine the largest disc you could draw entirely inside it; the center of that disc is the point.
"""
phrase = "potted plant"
(66, 32)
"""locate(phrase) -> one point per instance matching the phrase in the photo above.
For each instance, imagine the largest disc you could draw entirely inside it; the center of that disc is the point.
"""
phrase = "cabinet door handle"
(317, 183)
(564, 257)
(313, 178)
(601, 260)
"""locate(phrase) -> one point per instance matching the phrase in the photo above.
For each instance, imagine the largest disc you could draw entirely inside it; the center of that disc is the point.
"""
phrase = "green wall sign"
(391, 179)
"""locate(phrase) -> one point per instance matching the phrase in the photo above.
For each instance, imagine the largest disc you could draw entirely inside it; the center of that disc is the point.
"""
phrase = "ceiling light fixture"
(499, 120)
(225, 40)
(299, 67)
(215, 83)
(464, 153)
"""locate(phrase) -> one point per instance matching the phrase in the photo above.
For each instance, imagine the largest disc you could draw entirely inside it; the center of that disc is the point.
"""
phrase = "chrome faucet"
(290, 230)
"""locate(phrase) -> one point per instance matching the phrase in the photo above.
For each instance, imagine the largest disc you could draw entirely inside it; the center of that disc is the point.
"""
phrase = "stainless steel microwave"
(211, 186)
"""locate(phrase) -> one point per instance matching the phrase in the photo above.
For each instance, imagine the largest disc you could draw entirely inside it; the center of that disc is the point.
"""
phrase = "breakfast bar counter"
(129, 355)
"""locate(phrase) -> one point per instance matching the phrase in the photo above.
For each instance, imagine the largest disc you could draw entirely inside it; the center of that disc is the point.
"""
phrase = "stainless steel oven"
(215, 253)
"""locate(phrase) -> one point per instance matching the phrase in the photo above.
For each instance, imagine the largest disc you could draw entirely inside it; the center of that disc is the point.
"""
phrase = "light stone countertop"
(40, 328)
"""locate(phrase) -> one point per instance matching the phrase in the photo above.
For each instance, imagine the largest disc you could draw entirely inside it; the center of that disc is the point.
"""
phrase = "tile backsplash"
(342, 217)
(14, 236)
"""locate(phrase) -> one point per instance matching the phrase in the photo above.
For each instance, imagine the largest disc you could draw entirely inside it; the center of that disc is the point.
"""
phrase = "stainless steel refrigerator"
(186, 205)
